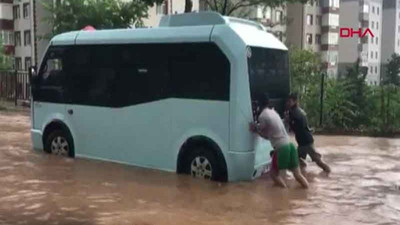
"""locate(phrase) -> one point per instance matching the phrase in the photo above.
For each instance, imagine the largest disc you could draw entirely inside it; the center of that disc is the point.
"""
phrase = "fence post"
(16, 87)
(321, 110)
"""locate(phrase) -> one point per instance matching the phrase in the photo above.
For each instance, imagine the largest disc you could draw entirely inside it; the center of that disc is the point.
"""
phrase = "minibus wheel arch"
(207, 143)
(57, 125)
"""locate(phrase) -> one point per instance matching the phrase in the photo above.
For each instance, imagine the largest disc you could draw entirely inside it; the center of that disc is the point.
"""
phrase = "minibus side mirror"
(32, 73)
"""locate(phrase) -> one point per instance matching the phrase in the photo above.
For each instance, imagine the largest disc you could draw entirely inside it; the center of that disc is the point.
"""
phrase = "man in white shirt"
(271, 127)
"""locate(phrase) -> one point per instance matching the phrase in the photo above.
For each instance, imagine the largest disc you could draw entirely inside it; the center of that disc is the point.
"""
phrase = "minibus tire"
(62, 134)
(202, 152)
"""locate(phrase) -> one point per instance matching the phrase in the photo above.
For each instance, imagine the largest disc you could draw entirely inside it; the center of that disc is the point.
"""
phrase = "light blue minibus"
(176, 98)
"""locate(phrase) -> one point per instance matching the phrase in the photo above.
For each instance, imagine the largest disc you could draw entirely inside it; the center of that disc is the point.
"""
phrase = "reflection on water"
(36, 188)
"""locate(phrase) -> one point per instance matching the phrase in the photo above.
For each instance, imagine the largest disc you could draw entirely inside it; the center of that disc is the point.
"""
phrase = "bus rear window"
(269, 73)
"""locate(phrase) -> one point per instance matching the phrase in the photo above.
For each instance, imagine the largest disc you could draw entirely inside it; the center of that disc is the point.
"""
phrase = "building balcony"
(364, 17)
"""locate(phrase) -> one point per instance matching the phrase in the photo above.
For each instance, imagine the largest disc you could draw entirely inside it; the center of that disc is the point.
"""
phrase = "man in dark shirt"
(299, 125)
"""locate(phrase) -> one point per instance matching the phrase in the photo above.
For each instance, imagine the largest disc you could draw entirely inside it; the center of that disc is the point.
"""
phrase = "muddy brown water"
(36, 188)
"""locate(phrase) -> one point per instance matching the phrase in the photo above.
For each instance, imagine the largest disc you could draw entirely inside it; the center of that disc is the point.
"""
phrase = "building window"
(376, 55)
(317, 2)
(309, 39)
(11, 37)
(7, 37)
(278, 16)
(370, 69)
(268, 12)
(373, 9)
(16, 12)
(376, 40)
(161, 9)
(318, 39)
(334, 3)
(27, 38)
(28, 62)
(372, 55)
(398, 42)
(366, 8)
(18, 63)
(377, 10)
(309, 19)
(376, 70)
(17, 38)
(318, 20)
(372, 24)
(372, 40)
(26, 10)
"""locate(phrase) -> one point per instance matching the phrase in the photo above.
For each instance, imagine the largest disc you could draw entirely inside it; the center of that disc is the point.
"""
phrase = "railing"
(14, 86)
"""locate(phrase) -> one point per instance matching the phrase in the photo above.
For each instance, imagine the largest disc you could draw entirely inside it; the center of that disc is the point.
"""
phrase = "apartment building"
(7, 26)
(23, 35)
(362, 14)
(274, 19)
(390, 31)
(167, 7)
(315, 26)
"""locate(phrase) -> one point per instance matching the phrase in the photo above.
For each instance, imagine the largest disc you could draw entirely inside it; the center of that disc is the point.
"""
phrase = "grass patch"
(9, 106)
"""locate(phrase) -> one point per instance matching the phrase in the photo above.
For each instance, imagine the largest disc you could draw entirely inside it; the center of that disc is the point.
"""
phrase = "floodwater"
(36, 188)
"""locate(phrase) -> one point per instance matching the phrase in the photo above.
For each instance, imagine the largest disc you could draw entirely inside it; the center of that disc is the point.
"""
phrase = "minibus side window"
(199, 71)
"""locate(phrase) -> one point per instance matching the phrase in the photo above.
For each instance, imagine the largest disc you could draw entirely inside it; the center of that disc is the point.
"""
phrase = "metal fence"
(14, 86)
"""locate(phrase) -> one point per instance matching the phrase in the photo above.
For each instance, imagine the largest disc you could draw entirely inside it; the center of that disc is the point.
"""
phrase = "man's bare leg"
(300, 178)
(277, 178)
(323, 165)
(303, 165)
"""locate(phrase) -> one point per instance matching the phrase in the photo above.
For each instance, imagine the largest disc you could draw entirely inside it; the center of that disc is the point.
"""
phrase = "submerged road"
(37, 188)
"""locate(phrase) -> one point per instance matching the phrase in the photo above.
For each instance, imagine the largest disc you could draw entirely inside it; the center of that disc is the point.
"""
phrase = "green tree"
(390, 100)
(305, 73)
(393, 71)
(5, 61)
(359, 91)
(228, 7)
(71, 15)
(340, 111)
(305, 69)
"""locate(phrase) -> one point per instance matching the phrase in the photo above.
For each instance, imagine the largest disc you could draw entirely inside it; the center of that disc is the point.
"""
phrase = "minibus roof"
(179, 28)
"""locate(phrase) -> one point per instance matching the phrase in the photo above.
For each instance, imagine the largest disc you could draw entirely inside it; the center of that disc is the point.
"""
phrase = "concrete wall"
(348, 47)
(295, 31)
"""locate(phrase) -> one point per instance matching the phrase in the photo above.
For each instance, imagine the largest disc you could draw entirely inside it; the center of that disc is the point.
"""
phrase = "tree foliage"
(229, 7)
(5, 61)
(71, 15)
(393, 71)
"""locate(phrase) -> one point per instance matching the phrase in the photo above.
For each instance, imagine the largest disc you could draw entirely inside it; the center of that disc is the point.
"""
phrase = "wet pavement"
(36, 188)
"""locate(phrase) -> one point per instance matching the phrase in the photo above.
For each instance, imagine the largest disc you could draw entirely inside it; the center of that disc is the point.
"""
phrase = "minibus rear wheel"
(202, 163)
(59, 142)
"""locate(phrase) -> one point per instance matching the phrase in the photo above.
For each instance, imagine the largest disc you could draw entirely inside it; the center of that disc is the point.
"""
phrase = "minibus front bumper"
(243, 166)
(37, 141)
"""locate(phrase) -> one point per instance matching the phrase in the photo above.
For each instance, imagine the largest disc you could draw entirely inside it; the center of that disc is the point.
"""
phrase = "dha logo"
(349, 32)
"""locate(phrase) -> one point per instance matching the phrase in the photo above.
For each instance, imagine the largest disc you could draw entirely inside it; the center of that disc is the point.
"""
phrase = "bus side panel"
(45, 113)
(242, 141)
(240, 108)
(141, 135)
(199, 118)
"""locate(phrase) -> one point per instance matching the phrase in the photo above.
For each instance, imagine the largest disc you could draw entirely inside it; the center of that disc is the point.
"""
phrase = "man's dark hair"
(263, 100)
(293, 96)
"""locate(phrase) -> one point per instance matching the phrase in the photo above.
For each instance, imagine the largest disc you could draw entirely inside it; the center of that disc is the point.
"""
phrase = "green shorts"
(285, 158)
